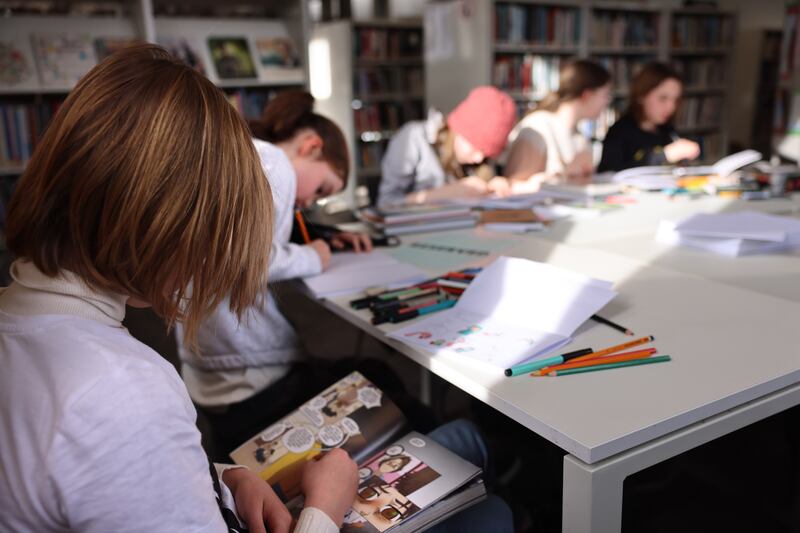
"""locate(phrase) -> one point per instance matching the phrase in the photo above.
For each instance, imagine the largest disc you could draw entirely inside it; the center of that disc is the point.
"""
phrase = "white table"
(731, 333)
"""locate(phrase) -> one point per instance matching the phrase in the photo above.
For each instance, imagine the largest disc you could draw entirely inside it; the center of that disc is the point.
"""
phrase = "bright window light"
(319, 67)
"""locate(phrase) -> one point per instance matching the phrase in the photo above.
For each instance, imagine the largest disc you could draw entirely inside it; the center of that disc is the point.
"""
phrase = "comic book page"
(402, 480)
(351, 414)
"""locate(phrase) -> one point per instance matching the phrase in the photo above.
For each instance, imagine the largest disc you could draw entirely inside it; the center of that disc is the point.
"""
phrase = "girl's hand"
(682, 149)
(329, 484)
(359, 242)
(323, 251)
(256, 502)
(580, 169)
(499, 185)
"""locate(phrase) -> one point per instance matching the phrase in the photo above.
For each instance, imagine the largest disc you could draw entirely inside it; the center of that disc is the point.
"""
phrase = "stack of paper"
(404, 220)
(664, 177)
(350, 272)
(733, 234)
(513, 311)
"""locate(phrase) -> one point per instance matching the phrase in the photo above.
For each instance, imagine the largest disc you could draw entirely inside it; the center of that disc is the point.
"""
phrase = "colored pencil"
(302, 223)
(615, 349)
(524, 368)
(614, 325)
(627, 356)
(635, 362)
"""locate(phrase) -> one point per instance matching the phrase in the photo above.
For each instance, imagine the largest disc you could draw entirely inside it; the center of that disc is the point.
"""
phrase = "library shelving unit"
(786, 121)
(519, 45)
(374, 83)
(45, 53)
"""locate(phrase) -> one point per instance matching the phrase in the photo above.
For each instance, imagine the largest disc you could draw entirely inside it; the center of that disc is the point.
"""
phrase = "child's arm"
(398, 169)
(289, 260)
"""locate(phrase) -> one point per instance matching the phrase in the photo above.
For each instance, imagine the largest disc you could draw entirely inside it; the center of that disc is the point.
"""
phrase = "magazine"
(231, 57)
(63, 59)
(277, 52)
(16, 65)
(405, 482)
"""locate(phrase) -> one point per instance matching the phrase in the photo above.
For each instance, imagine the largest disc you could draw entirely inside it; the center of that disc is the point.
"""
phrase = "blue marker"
(441, 306)
(548, 361)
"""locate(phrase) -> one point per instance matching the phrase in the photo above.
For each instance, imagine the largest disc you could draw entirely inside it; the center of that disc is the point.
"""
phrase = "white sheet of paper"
(514, 310)
(741, 225)
(350, 272)
(724, 246)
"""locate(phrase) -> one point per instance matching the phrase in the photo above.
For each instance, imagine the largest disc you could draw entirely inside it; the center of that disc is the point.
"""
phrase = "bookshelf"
(786, 117)
(376, 85)
(518, 46)
(52, 47)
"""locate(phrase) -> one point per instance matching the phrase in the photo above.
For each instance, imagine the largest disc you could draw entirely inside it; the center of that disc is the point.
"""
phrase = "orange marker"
(619, 358)
(302, 223)
(615, 349)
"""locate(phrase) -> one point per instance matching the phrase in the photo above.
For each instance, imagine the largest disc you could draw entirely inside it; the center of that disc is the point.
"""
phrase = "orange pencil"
(615, 349)
(627, 356)
(302, 223)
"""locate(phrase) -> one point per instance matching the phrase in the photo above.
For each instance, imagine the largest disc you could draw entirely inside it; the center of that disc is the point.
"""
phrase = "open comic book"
(406, 483)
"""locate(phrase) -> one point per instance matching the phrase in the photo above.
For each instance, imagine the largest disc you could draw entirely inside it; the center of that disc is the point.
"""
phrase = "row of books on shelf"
(533, 74)
(387, 115)
(408, 81)
(371, 154)
(59, 60)
(387, 43)
(622, 69)
(701, 72)
(790, 44)
(21, 126)
(699, 111)
(710, 31)
(618, 29)
(548, 26)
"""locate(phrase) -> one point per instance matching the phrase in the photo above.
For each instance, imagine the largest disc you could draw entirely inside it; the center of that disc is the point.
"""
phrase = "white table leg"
(592, 498)
(592, 493)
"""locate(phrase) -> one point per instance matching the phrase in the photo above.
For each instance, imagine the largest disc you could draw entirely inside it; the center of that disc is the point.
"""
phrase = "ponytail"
(292, 111)
(574, 78)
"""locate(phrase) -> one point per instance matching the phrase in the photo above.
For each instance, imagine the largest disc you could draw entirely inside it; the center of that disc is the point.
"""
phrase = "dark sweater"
(627, 145)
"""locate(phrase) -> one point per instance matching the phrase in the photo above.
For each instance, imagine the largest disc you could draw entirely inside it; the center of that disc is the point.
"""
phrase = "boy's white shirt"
(97, 432)
(240, 359)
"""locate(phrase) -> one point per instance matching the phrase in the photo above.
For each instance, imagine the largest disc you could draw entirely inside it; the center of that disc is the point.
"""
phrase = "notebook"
(350, 272)
(513, 311)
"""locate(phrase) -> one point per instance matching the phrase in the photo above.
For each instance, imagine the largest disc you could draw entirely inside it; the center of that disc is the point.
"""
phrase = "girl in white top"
(305, 156)
(546, 144)
(145, 183)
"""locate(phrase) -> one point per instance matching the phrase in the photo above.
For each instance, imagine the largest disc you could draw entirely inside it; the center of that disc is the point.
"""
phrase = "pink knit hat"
(485, 119)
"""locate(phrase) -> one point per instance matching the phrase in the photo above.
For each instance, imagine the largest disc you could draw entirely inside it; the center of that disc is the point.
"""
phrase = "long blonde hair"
(147, 184)
(574, 78)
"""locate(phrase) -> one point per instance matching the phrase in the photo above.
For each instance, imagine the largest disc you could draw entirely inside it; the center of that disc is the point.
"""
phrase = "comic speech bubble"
(298, 440)
(317, 403)
(394, 450)
(370, 397)
(330, 435)
(313, 415)
(349, 426)
(273, 432)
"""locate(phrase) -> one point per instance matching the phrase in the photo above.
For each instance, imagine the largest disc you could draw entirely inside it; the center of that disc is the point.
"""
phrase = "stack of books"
(418, 219)
(733, 234)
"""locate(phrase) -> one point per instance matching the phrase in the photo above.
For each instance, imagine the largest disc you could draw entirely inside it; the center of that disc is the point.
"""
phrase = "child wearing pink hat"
(425, 159)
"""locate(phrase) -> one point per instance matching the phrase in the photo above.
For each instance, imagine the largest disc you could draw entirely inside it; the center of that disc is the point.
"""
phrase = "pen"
(402, 317)
(547, 361)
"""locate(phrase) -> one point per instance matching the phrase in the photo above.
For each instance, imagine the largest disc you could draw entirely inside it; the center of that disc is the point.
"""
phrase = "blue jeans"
(492, 514)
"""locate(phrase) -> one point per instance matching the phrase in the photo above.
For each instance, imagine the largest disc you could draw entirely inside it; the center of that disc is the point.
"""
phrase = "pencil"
(635, 362)
(607, 322)
(627, 356)
(615, 349)
(302, 223)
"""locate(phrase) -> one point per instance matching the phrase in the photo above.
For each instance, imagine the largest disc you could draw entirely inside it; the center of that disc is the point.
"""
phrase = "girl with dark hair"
(645, 135)
(546, 143)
